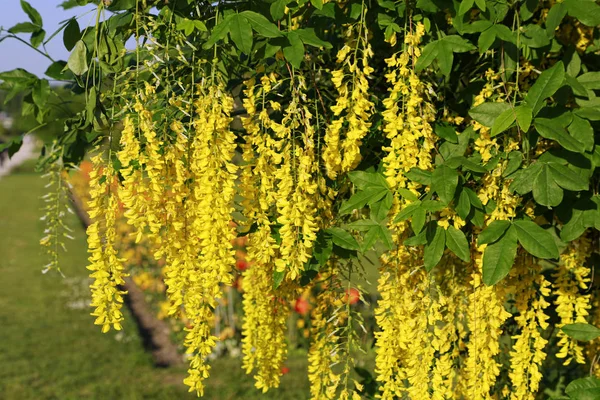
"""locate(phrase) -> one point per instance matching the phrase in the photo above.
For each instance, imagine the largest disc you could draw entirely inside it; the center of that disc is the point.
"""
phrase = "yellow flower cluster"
(105, 264)
(324, 333)
(297, 184)
(265, 313)
(133, 188)
(153, 168)
(484, 144)
(572, 306)
(485, 314)
(353, 109)
(407, 116)
(530, 291)
(213, 173)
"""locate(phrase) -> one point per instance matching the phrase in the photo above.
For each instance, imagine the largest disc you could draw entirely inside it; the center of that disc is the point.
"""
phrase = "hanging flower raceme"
(530, 290)
(56, 208)
(105, 264)
(353, 109)
(153, 164)
(407, 117)
(323, 353)
(133, 187)
(265, 311)
(297, 185)
(405, 353)
(571, 277)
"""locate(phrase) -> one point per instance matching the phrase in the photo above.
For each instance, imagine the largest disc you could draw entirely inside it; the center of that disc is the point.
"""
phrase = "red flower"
(284, 370)
(241, 265)
(301, 306)
(352, 296)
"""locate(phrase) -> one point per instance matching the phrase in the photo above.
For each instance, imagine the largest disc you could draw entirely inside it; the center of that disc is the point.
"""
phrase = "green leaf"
(503, 122)
(369, 240)
(481, 4)
(241, 33)
(457, 243)
(362, 225)
(545, 190)
(417, 240)
(537, 241)
(493, 232)
(524, 115)
(37, 38)
(549, 129)
(581, 331)
(504, 33)
(574, 227)
(434, 249)
(524, 178)
(327, 11)
(361, 198)
(445, 57)
(77, 62)
(418, 219)
(364, 180)
(277, 9)
(465, 6)
(32, 13)
(458, 44)
(55, 70)
(262, 25)
(487, 113)
(429, 53)
(585, 388)
(219, 32)
(515, 159)
(534, 36)
(582, 130)
(472, 166)
(322, 248)
(486, 40)
(420, 176)
(384, 234)
(590, 80)
(545, 86)
(24, 27)
(463, 207)
(566, 178)
(446, 131)
(499, 257)
(444, 181)
(343, 239)
(71, 34)
(573, 61)
(381, 209)
(310, 38)
(586, 11)
(407, 211)
(12, 145)
(40, 93)
(554, 17)
(278, 278)
(576, 86)
(294, 53)
(318, 4)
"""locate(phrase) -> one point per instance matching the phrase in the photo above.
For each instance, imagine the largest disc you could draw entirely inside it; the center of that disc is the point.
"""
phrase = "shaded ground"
(49, 347)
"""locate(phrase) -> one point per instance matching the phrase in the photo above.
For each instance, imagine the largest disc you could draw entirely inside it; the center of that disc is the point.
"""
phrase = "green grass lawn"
(49, 347)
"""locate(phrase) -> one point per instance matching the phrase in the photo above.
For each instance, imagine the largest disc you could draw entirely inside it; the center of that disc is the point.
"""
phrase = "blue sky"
(14, 54)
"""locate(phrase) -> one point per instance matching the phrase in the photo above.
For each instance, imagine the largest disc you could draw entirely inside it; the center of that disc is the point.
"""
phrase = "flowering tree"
(454, 138)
